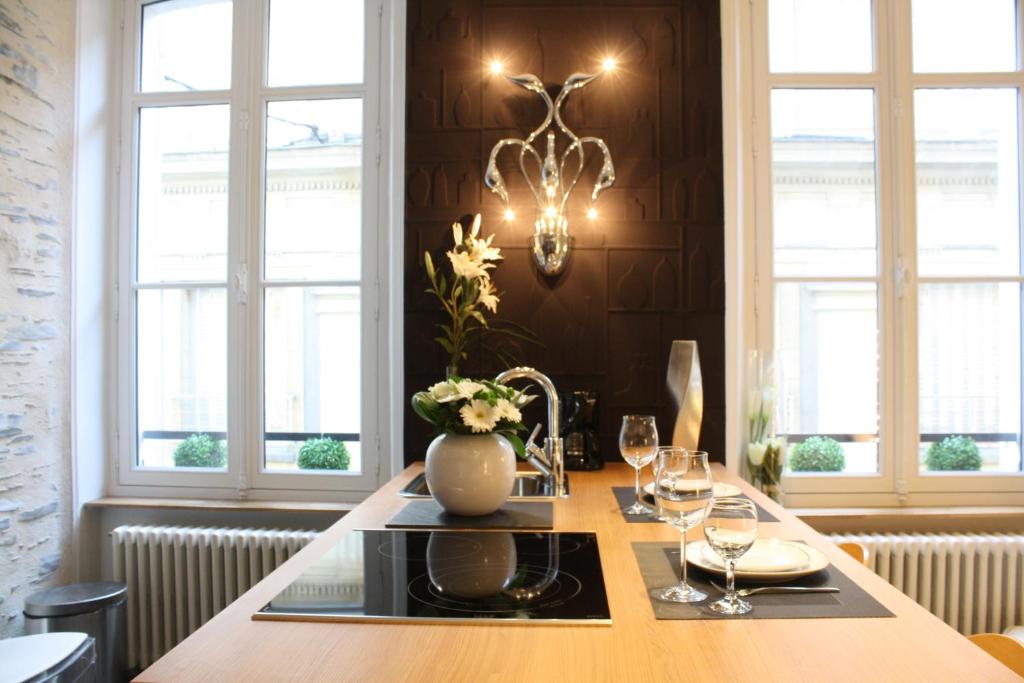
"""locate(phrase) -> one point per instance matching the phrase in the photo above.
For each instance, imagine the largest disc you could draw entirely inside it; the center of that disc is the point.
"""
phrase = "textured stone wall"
(37, 39)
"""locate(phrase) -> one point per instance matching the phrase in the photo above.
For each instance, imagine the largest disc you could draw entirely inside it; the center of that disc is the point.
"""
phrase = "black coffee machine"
(579, 434)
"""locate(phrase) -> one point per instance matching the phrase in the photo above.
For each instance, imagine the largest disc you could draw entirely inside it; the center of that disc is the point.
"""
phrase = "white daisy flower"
(508, 411)
(479, 416)
(444, 392)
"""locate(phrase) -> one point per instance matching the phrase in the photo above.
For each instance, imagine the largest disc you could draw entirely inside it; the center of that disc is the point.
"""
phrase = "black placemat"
(659, 566)
(427, 514)
(625, 495)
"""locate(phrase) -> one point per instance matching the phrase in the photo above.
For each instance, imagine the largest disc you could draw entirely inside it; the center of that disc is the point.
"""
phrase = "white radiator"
(179, 577)
(973, 582)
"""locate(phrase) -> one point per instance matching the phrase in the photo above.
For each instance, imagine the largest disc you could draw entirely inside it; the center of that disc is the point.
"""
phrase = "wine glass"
(683, 489)
(638, 443)
(731, 528)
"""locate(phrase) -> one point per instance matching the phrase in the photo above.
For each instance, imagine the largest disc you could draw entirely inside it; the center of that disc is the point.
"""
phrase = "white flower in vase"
(479, 416)
(508, 411)
(755, 453)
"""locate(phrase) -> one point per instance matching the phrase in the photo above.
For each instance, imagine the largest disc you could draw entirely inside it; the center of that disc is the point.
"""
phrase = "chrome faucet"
(549, 461)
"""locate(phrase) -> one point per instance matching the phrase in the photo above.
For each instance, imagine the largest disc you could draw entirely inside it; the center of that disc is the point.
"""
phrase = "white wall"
(37, 43)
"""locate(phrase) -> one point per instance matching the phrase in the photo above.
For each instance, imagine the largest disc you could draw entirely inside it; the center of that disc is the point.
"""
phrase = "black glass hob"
(443, 576)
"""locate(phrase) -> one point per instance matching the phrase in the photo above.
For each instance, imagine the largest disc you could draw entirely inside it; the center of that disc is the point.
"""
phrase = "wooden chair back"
(1007, 650)
(857, 551)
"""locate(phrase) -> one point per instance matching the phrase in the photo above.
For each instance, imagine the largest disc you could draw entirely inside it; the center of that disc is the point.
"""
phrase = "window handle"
(242, 283)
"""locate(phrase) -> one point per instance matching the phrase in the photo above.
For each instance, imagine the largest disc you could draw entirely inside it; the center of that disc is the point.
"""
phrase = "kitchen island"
(913, 646)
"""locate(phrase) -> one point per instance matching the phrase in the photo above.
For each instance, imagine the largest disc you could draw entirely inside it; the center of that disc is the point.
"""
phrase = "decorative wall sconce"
(551, 239)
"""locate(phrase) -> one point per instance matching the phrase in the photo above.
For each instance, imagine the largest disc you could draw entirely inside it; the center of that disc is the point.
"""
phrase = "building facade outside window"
(886, 232)
(250, 249)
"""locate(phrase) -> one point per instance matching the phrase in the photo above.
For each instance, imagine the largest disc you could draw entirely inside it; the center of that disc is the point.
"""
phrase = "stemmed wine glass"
(683, 489)
(638, 443)
(731, 528)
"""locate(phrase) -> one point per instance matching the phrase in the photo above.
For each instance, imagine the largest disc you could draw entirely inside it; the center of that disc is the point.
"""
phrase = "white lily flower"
(488, 298)
(457, 233)
(465, 266)
(508, 411)
(755, 453)
(479, 416)
(475, 230)
(481, 250)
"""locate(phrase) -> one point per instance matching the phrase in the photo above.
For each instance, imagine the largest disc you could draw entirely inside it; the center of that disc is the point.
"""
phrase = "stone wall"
(37, 48)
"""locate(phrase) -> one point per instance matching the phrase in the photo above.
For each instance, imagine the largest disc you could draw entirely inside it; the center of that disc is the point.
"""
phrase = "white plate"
(721, 490)
(769, 559)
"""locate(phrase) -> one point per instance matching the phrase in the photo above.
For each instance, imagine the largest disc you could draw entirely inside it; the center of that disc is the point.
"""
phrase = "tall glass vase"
(765, 451)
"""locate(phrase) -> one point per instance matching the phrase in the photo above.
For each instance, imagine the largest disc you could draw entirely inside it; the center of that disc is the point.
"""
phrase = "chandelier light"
(551, 239)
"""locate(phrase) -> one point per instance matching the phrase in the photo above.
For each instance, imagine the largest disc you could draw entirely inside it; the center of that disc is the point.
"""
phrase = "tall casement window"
(248, 254)
(886, 155)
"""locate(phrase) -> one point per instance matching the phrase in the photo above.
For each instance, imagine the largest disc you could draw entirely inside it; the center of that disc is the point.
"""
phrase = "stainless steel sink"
(529, 486)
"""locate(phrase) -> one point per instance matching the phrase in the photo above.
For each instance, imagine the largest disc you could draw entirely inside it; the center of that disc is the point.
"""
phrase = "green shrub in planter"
(955, 452)
(200, 450)
(323, 454)
(817, 454)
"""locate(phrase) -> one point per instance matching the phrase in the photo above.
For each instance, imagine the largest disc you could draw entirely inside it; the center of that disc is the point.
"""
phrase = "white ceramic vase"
(470, 475)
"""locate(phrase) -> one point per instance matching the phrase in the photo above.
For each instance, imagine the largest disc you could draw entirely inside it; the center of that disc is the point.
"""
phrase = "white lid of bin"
(26, 657)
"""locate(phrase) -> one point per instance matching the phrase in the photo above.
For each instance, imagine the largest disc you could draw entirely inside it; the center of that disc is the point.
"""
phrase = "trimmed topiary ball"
(200, 450)
(957, 453)
(817, 454)
(323, 454)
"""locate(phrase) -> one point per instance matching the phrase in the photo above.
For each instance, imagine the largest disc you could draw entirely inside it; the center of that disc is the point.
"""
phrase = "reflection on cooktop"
(440, 576)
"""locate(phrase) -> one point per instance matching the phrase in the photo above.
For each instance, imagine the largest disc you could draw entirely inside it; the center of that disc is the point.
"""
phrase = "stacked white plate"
(769, 559)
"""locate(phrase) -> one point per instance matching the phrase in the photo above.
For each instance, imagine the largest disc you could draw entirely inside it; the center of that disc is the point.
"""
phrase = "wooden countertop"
(914, 646)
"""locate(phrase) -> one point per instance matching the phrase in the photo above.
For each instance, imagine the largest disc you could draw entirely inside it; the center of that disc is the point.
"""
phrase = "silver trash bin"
(98, 609)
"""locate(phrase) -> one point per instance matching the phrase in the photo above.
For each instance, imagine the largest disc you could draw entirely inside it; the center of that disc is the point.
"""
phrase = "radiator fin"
(178, 578)
(973, 582)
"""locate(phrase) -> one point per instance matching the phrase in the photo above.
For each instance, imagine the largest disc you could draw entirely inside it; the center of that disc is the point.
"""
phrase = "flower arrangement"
(765, 451)
(469, 290)
(466, 406)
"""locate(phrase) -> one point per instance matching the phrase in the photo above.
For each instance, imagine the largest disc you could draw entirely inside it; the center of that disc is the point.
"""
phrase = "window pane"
(823, 182)
(819, 36)
(183, 194)
(182, 377)
(967, 182)
(826, 341)
(951, 35)
(315, 42)
(313, 214)
(186, 45)
(969, 355)
(311, 376)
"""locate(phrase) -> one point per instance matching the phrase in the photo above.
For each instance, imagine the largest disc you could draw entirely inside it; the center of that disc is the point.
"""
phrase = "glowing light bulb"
(549, 212)
(496, 67)
(608, 64)
(510, 215)
(592, 213)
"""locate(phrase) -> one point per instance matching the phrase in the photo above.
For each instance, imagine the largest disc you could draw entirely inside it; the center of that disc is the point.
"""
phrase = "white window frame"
(747, 85)
(245, 476)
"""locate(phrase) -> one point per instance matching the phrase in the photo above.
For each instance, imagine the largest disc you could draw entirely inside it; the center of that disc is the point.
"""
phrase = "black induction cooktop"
(451, 576)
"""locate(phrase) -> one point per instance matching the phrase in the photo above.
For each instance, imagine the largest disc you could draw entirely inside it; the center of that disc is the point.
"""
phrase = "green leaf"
(445, 344)
(517, 443)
